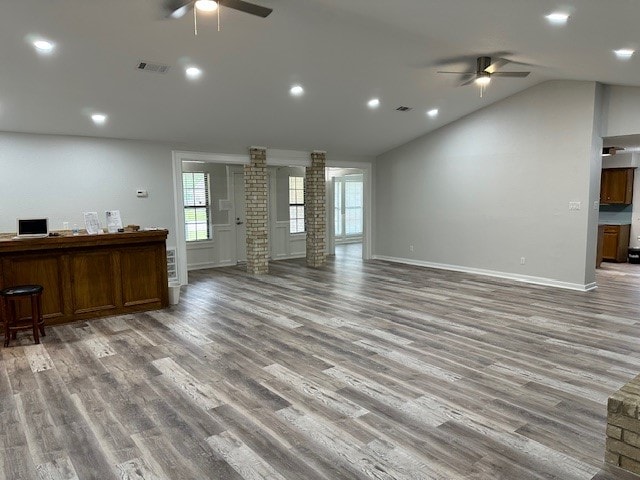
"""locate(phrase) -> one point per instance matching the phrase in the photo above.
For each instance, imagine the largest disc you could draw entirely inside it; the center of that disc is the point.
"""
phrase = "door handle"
(238, 222)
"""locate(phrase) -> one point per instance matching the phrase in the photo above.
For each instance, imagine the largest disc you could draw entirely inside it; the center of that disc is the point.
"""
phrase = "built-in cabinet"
(89, 276)
(616, 186)
(614, 242)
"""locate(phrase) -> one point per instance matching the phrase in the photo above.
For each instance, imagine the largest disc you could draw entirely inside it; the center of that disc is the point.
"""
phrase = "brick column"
(255, 191)
(314, 210)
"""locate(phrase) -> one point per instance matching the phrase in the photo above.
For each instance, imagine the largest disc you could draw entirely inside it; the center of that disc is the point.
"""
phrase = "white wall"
(621, 107)
(60, 177)
(495, 186)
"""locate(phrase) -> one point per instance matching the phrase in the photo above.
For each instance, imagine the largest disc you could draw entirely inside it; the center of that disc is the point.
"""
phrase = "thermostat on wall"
(142, 193)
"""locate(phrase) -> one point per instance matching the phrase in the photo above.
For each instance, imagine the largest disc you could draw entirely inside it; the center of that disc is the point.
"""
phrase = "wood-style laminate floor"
(356, 371)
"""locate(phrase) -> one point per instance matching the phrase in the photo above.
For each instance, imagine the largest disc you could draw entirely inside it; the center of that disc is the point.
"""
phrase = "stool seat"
(11, 319)
(21, 290)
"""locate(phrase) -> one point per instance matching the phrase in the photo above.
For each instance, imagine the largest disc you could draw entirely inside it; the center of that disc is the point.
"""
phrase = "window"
(195, 187)
(353, 205)
(296, 204)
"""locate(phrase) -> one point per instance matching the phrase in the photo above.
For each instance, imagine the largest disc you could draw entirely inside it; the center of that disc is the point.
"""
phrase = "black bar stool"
(8, 299)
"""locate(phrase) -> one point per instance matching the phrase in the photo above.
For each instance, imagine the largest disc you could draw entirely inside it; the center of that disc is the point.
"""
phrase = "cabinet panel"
(616, 186)
(93, 288)
(615, 242)
(142, 275)
(610, 245)
(39, 270)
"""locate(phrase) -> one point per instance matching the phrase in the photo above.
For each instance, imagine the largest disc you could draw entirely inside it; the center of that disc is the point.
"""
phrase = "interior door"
(240, 217)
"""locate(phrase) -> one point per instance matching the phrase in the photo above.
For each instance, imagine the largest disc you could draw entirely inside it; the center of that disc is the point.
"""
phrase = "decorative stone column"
(255, 191)
(314, 210)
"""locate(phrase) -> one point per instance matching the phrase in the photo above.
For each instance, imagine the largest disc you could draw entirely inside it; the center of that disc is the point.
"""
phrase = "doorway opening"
(347, 207)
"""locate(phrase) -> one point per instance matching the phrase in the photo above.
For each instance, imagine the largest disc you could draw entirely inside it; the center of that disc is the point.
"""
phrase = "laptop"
(32, 228)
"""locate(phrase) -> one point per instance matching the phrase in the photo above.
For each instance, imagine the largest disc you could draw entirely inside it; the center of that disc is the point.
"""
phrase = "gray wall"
(495, 186)
(60, 177)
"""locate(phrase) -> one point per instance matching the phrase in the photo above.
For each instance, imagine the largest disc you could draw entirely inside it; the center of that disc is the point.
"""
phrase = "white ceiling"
(344, 52)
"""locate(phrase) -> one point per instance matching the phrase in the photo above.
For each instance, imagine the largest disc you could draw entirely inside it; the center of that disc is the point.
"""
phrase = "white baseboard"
(491, 273)
(288, 257)
(203, 266)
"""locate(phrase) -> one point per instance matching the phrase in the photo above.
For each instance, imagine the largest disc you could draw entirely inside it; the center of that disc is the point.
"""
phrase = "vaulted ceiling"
(344, 52)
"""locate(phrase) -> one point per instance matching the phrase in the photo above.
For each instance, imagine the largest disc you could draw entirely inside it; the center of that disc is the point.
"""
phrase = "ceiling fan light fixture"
(483, 80)
(206, 5)
(433, 112)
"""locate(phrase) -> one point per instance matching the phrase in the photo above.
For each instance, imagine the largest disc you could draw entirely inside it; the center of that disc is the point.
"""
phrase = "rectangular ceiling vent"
(403, 109)
(153, 67)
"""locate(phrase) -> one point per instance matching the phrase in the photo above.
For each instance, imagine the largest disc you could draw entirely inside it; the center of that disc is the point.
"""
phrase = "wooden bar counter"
(87, 276)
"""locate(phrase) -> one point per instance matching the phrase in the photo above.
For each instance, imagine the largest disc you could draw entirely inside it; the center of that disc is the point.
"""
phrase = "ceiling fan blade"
(246, 7)
(468, 82)
(511, 74)
(500, 62)
(457, 73)
(177, 8)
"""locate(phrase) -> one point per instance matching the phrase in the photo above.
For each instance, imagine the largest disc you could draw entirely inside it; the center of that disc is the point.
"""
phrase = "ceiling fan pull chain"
(195, 21)
(218, 17)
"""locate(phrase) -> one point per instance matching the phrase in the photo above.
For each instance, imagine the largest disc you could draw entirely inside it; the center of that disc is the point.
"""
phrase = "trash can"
(634, 255)
(174, 293)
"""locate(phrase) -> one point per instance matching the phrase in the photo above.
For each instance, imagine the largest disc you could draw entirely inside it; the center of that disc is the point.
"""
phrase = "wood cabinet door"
(616, 186)
(45, 270)
(610, 243)
(143, 273)
(94, 282)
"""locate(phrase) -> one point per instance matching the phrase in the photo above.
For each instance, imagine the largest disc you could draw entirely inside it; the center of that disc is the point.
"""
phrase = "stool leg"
(12, 317)
(40, 317)
(35, 316)
(5, 320)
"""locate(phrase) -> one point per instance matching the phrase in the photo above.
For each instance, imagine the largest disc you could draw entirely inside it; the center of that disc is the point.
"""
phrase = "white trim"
(491, 273)
(227, 158)
(205, 265)
(288, 158)
(342, 164)
(178, 201)
(288, 257)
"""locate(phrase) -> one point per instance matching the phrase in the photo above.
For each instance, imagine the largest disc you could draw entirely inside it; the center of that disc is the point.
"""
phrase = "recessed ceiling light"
(483, 81)
(373, 103)
(296, 90)
(624, 53)
(558, 18)
(433, 112)
(193, 72)
(206, 5)
(43, 46)
(99, 118)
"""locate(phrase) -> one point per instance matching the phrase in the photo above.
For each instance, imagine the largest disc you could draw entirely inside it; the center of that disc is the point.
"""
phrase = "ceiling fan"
(179, 8)
(486, 69)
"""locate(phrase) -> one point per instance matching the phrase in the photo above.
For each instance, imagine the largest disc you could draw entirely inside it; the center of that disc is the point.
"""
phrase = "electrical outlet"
(411, 248)
(142, 193)
(596, 204)
(575, 206)
(522, 260)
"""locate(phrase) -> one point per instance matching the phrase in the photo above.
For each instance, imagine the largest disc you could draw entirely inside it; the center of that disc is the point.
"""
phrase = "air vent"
(403, 109)
(153, 67)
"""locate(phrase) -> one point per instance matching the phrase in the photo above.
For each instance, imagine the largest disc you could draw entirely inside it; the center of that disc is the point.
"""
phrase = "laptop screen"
(34, 226)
